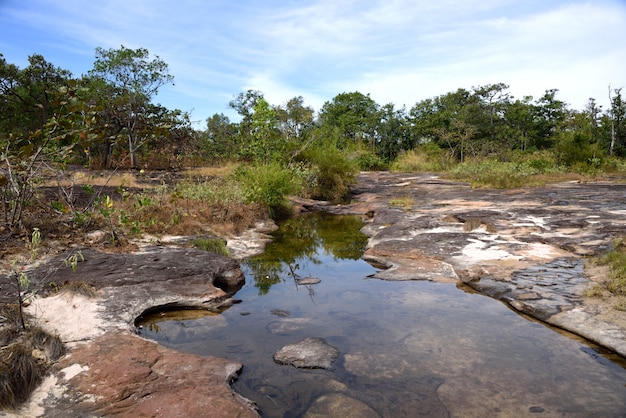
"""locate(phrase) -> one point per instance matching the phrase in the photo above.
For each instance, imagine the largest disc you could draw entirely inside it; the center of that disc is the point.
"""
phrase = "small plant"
(107, 210)
(73, 259)
(35, 243)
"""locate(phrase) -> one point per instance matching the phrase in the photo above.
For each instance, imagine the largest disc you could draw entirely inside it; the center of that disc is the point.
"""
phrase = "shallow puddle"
(408, 349)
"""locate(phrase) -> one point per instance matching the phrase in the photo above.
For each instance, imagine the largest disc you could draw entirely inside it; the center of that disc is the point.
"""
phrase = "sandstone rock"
(127, 375)
(310, 353)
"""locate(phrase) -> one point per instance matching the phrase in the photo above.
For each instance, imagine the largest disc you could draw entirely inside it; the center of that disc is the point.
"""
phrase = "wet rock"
(310, 353)
(287, 326)
(524, 246)
(306, 281)
(339, 405)
(280, 312)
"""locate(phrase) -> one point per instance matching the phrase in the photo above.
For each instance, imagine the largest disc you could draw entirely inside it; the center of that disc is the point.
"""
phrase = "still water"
(408, 349)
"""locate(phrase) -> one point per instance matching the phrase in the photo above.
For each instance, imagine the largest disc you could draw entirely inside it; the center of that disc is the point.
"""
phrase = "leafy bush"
(267, 184)
(336, 173)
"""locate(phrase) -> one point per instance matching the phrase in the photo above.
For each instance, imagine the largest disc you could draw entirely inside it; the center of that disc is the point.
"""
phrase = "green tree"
(394, 134)
(219, 139)
(295, 118)
(520, 123)
(357, 116)
(265, 144)
(28, 96)
(550, 113)
(134, 79)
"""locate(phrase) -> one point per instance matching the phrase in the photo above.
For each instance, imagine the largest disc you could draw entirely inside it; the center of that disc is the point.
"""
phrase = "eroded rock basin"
(407, 348)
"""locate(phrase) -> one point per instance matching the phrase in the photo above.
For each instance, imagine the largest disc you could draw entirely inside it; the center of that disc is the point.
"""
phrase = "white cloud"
(400, 51)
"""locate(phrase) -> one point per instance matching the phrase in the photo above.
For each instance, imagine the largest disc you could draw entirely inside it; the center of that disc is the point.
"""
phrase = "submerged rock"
(339, 405)
(310, 353)
(308, 281)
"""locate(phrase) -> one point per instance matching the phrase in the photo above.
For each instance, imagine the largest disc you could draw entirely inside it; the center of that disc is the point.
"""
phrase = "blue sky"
(398, 51)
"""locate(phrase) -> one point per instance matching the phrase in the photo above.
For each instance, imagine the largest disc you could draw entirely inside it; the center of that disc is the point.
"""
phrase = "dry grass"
(221, 171)
(403, 202)
(25, 356)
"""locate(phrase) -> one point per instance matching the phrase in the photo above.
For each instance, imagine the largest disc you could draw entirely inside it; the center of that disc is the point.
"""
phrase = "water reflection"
(297, 245)
(407, 348)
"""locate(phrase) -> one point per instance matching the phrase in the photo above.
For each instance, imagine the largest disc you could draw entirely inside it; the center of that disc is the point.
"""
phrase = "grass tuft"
(216, 245)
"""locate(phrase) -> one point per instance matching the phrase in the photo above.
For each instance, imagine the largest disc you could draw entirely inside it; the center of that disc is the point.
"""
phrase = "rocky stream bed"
(525, 247)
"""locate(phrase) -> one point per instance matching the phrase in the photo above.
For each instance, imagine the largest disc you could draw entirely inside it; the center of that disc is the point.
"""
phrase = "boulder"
(309, 353)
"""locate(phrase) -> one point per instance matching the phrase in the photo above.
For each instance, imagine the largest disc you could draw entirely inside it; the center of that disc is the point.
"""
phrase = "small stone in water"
(280, 312)
(308, 280)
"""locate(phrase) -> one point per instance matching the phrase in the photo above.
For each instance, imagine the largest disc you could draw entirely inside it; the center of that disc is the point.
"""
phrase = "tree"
(520, 121)
(28, 96)
(24, 155)
(493, 100)
(441, 119)
(617, 115)
(393, 133)
(356, 115)
(219, 138)
(266, 143)
(134, 79)
(550, 114)
(294, 118)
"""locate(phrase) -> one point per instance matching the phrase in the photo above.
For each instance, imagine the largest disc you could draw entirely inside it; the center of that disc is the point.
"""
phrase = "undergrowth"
(614, 285)
(25, 357)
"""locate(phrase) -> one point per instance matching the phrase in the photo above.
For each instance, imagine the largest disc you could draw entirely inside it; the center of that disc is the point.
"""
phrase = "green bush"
(267, 184)
(214, 244)
(336, 173)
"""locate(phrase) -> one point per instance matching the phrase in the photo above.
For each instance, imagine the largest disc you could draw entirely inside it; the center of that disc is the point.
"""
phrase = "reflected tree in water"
(299, 241)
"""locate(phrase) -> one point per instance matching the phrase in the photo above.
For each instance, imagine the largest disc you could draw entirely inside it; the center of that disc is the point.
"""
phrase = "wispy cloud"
(400, 51)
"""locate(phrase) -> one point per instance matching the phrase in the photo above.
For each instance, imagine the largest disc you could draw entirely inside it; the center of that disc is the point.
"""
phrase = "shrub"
(336, 173)
(425, 158)
(267, 184)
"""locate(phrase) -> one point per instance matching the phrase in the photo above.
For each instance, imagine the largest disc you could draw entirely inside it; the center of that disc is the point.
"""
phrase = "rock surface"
(526, 247)
(339, 405)
(309, 353)
(109, 369)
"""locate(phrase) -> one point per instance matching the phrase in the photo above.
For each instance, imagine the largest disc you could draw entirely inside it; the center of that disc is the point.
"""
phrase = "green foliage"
(616, 260)
(214, 244)
(267, 184)
(575, 151)
(73, 259)
(335, 172)
(490, 172)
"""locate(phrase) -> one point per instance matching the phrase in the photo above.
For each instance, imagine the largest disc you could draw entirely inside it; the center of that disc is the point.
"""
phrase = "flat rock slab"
(125, 375)
(115, 372)
(309, 353)
(526, 247)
